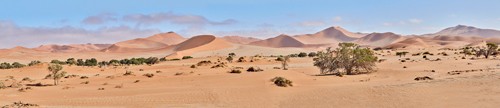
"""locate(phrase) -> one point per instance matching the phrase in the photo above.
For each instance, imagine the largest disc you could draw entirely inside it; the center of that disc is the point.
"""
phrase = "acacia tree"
(284, 62)
(348, 59)
(492, 47)
(56, 73)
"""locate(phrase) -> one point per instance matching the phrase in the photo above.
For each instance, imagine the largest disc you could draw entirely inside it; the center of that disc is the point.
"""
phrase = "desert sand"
(456, 82)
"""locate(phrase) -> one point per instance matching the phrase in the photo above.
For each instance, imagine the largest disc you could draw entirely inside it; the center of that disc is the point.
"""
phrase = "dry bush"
(127, 73)
(254, 69)
(20, 105)
(100, 89)
(136, 81)
(193, 66)
(235, 71)
(24, 89)
(179, 73)
(86, 82)
(423, 78)
(220, 65)
(84, 77)
(282, 82)
(149, 75)
(204, 63)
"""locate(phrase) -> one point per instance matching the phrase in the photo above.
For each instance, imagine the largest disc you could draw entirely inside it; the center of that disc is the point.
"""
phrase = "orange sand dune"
(279, 41)
(330, 35)
(240, 40)
(199, 44)
(379, 39)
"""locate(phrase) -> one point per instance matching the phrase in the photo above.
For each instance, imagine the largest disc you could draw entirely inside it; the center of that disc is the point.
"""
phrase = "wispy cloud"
(311, 23)
(192, 20)
(404, 22)
(13, 35)
(415, 21)
(337, 19)
(99, 19)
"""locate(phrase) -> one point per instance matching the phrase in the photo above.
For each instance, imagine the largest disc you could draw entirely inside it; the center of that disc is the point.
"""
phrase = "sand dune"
(279, 41)
(240, 40)
(154, 42)
(331, 35)
(379, 39)
(199, 44)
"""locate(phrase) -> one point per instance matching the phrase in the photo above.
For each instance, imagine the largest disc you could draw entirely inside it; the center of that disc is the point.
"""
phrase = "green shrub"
(302, 54)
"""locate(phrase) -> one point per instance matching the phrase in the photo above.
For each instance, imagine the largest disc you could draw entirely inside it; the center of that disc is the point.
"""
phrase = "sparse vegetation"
(149, 75)
(284, 62)
(302, 54)
(401, 54)
(127, 73)
(254, 69)
(56, 72)
(282, 82)
(312, 54)
(348, 59)
(187, 57)
(235, 71)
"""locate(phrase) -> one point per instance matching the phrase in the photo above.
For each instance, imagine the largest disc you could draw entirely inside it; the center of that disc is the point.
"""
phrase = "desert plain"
(452, 79)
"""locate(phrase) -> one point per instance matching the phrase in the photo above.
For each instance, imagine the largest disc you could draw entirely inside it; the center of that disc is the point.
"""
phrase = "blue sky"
(35, 22)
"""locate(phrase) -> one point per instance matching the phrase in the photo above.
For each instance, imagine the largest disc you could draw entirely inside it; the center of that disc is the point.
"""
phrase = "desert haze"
(432, 70)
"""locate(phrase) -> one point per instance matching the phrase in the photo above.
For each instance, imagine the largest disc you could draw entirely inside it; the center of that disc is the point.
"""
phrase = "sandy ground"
(392, 86)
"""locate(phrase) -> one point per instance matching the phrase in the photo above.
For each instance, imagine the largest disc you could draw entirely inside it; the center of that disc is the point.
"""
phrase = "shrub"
(149, 75)
(100, 89)
(312, 54)
(349, 59)
(187, 57)
(279, 59)
(17, 65)
(241, 59)
(235, 71)
(204, 63)
(302, 54)
(127, 73)
(193, 66)
(136, 81)
(179, 73)
(423, 78)
(20, 105)
(254, 69)
(229, 59)
(84, 77)
(56, 72)
(86, 82)
(220, 65)
(26, 79)
(32, 63)
(282, 82)
(2, 86)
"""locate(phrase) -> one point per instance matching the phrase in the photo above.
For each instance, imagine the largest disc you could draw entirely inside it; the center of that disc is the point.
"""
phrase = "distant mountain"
(463, 30)
(279, 41)
(329, 35)
(240, 40)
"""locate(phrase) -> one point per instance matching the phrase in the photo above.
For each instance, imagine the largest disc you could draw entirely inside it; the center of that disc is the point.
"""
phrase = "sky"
(31, 23)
